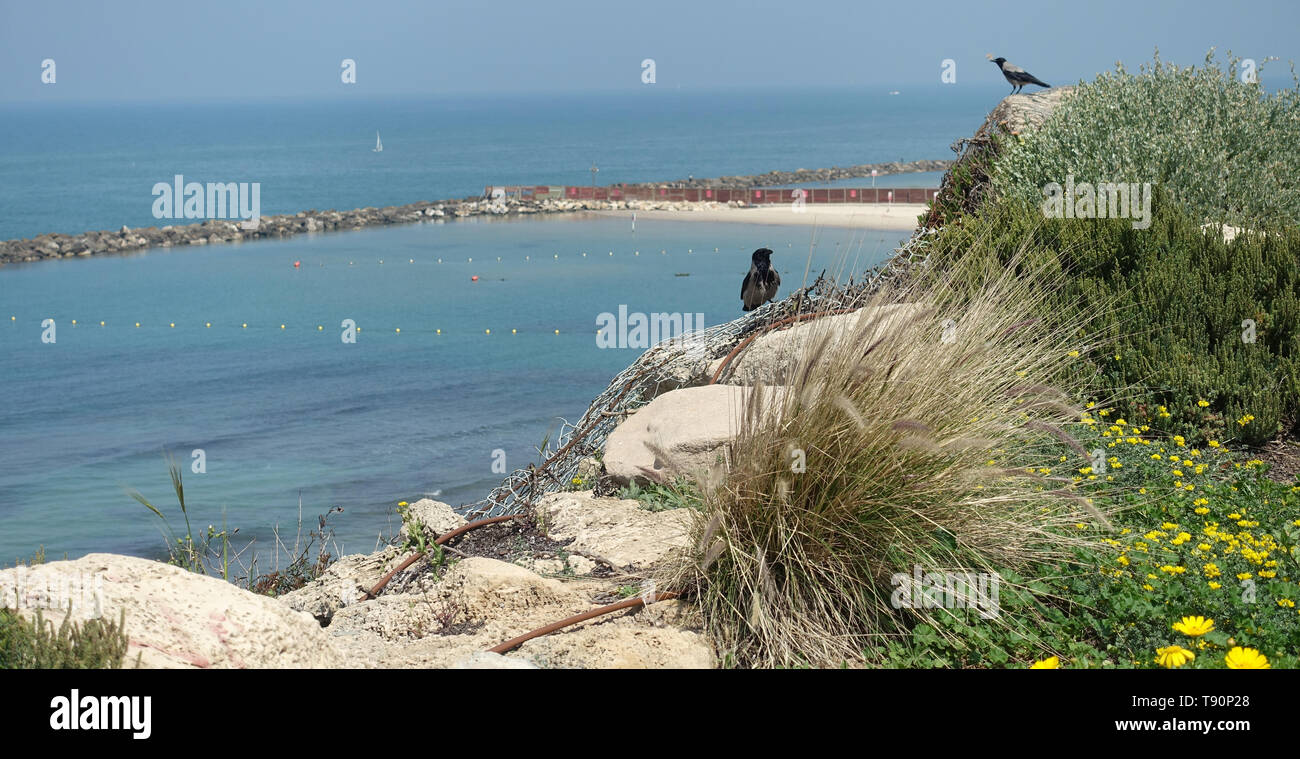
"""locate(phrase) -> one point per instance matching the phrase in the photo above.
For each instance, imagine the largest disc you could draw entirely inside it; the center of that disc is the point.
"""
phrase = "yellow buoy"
(487, 331)
(281, 326)
(557, 332)
(74, 322)
(207, 324)
(399, 329)
(319, 328)
(172, 325)
(471, 260)
(514, 331)
(440, 332)
(245, 325)
(101, 324)
(412, 260)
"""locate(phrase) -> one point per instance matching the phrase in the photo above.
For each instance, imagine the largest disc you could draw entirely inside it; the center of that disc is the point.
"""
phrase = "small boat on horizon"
(379, 144)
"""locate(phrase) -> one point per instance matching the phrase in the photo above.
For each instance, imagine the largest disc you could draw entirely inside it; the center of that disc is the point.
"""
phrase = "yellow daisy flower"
(1170, 657)
(1245, 658)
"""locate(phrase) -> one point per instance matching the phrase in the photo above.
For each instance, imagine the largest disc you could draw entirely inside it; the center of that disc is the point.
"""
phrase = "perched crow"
(762, 281)
(1017, 76)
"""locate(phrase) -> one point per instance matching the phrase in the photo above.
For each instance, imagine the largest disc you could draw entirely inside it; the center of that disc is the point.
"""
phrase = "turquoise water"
(279, 412)
(69, 169)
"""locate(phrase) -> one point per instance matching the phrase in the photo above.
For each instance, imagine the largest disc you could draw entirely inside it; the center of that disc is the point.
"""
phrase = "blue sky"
(168, 50)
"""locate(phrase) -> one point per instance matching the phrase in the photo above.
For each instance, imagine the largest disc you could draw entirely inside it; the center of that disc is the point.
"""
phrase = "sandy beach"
(900, 216)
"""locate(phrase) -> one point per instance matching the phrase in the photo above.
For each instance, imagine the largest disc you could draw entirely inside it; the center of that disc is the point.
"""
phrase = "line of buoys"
(285, 326)
(556, 256)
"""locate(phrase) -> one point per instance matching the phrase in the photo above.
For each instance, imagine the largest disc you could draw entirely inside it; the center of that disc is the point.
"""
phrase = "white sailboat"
(379, 144)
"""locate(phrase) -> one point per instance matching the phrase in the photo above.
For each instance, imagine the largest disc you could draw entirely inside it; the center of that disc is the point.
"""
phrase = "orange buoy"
(296, 264)
(474, 278)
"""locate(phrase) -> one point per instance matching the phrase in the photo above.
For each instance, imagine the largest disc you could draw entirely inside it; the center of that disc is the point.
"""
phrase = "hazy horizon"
(153, 51)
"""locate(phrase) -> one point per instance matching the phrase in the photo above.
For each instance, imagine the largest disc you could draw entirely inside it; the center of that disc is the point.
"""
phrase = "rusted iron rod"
(630, 603)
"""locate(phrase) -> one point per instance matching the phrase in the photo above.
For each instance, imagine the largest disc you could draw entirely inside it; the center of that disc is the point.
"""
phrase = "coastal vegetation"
(1109, 383)
(1223, 147)
(36, 644)
(900, 443)
(1203, 334)
(216, 553)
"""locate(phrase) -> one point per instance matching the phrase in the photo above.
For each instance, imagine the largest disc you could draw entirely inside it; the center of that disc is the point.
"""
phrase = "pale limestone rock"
(615, 529)
(175, 618)
(689, 428)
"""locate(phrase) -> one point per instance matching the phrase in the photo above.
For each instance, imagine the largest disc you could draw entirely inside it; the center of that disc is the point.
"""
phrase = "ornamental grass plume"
(906, 438)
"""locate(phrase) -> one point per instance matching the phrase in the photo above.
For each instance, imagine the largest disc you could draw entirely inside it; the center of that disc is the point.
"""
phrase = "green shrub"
(1226, 150)
(900, 443)
(1172, 299)
(35, 644)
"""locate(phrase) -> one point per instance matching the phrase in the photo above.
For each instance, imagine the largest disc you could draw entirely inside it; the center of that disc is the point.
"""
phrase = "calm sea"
(283, 412)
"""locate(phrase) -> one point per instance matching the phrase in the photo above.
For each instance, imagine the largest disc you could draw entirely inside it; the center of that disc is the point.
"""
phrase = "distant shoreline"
(52, 246)
(899, 216)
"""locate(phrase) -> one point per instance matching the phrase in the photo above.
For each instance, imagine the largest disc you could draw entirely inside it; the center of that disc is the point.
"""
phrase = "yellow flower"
(1215, 585)
(1285, 603)
(402, 503)
(1073, 354)
(1194, 627)
(1173, 656)
(1214, 443)
(1245, 658)
(1202, 403)
(1050, 662)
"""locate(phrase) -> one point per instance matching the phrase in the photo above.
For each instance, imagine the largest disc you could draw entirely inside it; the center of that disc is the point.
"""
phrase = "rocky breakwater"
(805, 176)
(127, 240)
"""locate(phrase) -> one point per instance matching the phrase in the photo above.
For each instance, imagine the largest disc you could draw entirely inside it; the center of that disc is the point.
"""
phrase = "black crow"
(1017, 76)
(762, 281)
